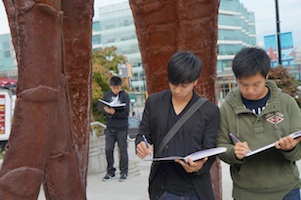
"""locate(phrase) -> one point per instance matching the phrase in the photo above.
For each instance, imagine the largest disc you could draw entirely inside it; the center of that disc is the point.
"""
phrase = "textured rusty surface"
(50, 131)
(164, 27)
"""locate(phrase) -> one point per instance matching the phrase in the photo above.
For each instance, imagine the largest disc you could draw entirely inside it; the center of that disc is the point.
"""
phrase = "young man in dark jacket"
(258, 113)
(117, 129)
(179, 180)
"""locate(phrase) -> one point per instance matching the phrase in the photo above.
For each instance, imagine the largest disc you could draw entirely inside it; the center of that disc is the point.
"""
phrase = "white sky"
(265, 17)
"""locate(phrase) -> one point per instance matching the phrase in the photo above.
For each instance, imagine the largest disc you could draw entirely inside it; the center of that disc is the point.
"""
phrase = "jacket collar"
(235, 101)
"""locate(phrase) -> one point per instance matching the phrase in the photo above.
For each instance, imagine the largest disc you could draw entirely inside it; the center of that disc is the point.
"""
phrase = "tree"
(108, 58)
(100, 84)
(286, 82)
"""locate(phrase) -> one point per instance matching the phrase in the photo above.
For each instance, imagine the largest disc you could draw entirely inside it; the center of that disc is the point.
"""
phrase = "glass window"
(5, 45)
(96, 26)
(7, 54)
(96, 39)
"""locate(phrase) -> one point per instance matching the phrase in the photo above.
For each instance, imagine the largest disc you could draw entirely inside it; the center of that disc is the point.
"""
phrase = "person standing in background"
(117, 129)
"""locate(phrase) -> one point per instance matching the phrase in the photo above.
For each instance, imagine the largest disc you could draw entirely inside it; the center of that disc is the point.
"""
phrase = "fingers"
(286, 143)
(109, 110)
(192, 166)
(241, 149)
(142, 151)
(298, 139)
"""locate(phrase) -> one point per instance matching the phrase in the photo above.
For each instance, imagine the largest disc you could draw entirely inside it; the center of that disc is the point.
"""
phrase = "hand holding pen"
(144, 149)
(145, 140)
(240, 148)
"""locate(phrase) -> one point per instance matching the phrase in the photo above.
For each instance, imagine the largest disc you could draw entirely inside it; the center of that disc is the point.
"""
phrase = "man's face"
(182, 91)
(115, 88)
(252, 87)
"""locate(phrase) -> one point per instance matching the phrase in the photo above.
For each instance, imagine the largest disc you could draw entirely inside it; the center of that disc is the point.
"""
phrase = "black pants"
(119, 136)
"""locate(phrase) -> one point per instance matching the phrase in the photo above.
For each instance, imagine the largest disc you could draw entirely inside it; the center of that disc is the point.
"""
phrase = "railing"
(97, 129)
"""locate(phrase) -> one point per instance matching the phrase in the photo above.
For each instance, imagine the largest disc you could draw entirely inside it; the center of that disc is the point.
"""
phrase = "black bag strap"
(179, 123)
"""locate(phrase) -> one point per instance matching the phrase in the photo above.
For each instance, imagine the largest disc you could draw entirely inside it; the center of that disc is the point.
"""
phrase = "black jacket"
(200, 133)
(119, 120)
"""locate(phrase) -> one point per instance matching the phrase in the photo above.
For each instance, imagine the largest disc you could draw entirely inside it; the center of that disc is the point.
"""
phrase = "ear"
(266, 78)
(195, 82)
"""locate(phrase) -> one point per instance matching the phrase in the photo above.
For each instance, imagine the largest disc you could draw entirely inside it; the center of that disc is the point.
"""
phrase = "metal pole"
(278, 33)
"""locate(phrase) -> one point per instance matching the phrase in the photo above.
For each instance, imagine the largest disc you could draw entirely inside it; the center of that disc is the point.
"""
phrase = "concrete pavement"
(135, 187)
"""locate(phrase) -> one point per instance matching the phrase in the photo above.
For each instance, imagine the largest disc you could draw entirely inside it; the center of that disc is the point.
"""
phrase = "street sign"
(5, 114)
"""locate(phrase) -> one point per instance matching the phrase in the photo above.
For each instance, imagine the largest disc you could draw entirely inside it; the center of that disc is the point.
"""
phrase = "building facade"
(236, 30)
(8, 62)
(115, 27)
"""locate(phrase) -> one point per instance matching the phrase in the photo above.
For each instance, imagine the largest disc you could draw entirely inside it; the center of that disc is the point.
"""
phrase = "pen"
(236, 139)
(145, 140)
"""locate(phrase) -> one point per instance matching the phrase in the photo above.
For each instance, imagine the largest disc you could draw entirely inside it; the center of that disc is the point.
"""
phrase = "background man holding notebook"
(117, 129)
(170, 179)
(257, 114)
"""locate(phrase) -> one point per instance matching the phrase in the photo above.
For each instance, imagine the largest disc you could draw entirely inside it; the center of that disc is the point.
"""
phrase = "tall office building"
(115, 27)
(236, 30)
(8, 63)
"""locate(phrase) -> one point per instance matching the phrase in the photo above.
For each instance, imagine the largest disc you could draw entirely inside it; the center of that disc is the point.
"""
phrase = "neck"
(180, 104)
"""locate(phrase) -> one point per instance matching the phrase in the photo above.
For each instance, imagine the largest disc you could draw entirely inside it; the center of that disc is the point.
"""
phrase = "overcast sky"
(265, 17)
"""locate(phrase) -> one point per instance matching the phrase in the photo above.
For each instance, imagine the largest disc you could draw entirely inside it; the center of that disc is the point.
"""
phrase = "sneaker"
(123, 177)
(108, 177)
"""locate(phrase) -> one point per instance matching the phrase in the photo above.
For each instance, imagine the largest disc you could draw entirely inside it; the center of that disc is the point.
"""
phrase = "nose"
(177, 90)
(250, 90)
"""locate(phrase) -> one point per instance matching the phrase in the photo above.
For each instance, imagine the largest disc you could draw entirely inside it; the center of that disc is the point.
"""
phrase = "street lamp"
(278, 33)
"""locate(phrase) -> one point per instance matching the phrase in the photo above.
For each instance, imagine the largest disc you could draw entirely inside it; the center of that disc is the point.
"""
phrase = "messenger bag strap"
(178, 124)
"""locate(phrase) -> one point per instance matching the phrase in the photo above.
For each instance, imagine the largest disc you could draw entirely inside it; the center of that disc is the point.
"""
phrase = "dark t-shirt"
(177, 180)
(256, 106)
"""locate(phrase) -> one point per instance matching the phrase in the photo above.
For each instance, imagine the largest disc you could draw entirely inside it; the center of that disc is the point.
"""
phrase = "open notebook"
(294, 135)
(114, 105)
(194, 156)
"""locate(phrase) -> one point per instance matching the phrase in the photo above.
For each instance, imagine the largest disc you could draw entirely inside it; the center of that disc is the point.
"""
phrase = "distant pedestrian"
(133, 113)
(117, 129)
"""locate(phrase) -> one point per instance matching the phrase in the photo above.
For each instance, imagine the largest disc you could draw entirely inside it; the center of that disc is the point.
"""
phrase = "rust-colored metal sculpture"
(50, 131)
(52, 39)
(166, 26)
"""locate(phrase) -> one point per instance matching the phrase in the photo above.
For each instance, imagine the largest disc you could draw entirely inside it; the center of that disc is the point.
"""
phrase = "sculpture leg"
(34, 125)
(70, 154)
(78, 16)
(42, 145)
(164, 27)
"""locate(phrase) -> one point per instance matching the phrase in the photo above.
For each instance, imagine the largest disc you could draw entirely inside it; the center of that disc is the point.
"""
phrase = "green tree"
(286, 82)
(108, 58)
(100, 84)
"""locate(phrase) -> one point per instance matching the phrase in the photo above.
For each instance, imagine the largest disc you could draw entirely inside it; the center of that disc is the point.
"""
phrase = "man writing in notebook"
(177, 179)
(258, 113)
